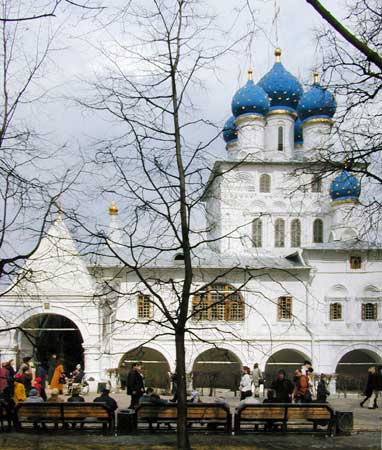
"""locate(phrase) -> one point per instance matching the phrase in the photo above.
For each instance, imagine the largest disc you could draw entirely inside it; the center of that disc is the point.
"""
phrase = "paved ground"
(367, 435)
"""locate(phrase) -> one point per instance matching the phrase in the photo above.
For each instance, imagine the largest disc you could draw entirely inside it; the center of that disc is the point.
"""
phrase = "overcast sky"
(76, 60)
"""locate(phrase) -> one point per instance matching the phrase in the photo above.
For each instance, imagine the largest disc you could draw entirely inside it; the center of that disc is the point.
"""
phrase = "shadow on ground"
(82, 441)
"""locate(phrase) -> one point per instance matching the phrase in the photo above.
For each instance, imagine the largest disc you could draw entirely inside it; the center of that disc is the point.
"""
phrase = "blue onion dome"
(250, 99)
(283, 89)
(230, 130)
(345, 187)
(298, 139)
(317, 103)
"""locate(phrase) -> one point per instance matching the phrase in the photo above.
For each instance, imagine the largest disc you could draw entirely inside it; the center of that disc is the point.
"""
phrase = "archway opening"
(288, 360)
(45, 334)
(156, 368)
(352, 369)
(216, 368)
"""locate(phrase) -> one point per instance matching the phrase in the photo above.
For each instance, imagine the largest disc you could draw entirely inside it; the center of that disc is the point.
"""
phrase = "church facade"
(294, 277)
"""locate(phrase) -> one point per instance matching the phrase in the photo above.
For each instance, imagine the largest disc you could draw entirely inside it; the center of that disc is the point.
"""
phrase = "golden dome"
(113, 208)
(278, 54)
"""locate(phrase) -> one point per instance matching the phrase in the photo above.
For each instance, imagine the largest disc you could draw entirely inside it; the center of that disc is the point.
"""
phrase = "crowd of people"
(300, 389)
(31, 382)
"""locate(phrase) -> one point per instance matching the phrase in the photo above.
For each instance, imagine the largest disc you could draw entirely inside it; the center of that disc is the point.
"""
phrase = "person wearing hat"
(245, 383)
(19, 394)
(34, 397)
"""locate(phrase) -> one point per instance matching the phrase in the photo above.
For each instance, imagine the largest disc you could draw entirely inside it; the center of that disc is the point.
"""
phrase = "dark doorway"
(352, 369)
(156, 369)
(52, 333)
(288, 360)
(217, 368)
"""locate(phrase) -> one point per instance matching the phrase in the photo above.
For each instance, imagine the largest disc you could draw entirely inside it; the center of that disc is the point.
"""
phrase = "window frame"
(293, 242)
(364, 312)
(339, 306)
(280, 138)
(224, 310)
(321, 231)
(145, 307)
(316, 184)
(259, 230)
(353, 259)
(265, 183)
(279, 234)
(285, 308)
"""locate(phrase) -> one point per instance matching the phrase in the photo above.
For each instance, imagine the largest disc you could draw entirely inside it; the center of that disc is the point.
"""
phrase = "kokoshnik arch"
(316, 290)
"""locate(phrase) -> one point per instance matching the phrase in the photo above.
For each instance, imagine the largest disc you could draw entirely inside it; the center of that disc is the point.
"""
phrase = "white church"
(294, 277)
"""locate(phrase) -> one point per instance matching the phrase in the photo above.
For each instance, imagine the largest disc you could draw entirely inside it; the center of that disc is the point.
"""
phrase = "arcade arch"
(352, 368)
(287, 359)
(156, 368)
(44, 334)
(216, 368)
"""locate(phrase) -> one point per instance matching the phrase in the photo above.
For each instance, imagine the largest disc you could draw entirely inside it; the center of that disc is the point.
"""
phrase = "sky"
(76, 59)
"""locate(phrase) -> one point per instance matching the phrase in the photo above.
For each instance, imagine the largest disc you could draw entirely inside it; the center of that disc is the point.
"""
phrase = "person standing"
(11, 374)
(378, 384)
(322, 389)
(43, 375)
(282, 387)
(4, 376)
(301, 392)
(256, 378)
(51, 367)
(26, 372)
(58, 379)
(370, 388)
(19, 394)
(245, 383)
(122, 372)
(135, 384)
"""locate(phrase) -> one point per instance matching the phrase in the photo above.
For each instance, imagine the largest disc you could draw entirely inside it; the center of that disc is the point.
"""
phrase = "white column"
(250, 133)
(275, 120)
(316, 134)
(93, 370)
(345, 221)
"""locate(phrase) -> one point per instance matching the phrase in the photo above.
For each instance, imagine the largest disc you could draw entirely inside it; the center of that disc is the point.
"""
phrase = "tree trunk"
(182, 432)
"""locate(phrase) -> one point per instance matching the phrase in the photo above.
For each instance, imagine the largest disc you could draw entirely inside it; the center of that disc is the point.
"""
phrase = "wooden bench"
(270, 414)
(210, 414)
(65, 414)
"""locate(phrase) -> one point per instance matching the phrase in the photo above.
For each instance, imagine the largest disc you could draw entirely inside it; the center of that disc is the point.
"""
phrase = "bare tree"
(352, 69)
(30, 187)
(35, 9)
(159, 167)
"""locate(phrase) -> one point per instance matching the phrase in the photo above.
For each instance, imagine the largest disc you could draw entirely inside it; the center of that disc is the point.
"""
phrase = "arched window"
(265, 183)
(280, 139)
(218, 302)
(369, 311)
(257, 233)
(335, 311)
(295, 233)
(316, 184)
(284, 308)
(280, 233)
(318, 231)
